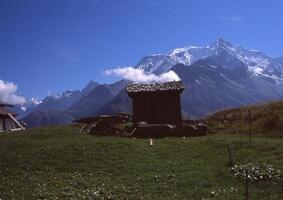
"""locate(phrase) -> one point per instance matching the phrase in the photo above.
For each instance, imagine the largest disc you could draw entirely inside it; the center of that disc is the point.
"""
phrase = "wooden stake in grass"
(250, 124)
(151, 142)
(247, 184)
(231, 161)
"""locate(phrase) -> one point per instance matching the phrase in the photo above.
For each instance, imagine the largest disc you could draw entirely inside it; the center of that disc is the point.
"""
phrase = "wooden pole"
(11, 116)
(151, 142)
(231, 161)
(250, 125)
(247, 185)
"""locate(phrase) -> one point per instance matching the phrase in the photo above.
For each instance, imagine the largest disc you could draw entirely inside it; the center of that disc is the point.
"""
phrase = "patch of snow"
(35, 101)
(213, 66)
(255, 50)
(198, 82)
(23, 108)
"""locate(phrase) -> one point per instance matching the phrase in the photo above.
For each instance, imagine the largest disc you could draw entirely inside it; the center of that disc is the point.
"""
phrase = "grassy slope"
(266, 118)
(57, 163)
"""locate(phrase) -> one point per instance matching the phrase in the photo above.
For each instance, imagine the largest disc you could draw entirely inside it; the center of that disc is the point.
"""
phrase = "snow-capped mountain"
(256, 62)
(213, 83)
(218, 76)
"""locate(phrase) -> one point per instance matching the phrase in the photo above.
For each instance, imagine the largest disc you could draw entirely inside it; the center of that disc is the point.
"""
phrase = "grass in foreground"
(58, 163)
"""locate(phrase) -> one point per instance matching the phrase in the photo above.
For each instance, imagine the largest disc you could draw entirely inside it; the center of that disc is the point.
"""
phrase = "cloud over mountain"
(8, 93)
(139, 75)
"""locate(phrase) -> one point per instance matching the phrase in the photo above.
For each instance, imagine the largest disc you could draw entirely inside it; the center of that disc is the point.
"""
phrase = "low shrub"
(256, 172)
(270, 122)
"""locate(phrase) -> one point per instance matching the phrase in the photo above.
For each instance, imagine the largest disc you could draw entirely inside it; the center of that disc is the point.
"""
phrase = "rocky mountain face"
(65, 100)
(88, 88)
(121, 103)
(42, 118)
(211, 87)
(73, 104)
(59, 102)
(218, 76)
(96, 99)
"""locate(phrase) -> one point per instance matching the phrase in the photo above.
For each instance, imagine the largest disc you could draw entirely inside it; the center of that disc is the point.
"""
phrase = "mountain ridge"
(257, 62)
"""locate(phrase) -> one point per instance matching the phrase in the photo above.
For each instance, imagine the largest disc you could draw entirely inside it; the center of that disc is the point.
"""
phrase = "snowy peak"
(66, 94)
(220, 43)
(31, 103)
(69, 93)
(185, 55)
(254, 59)
(257, 63)
(157, 63)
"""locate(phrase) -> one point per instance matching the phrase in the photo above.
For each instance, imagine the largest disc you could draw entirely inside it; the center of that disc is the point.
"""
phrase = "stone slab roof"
(154, 87)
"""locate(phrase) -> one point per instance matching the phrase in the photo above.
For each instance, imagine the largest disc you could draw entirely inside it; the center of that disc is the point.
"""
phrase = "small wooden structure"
(107, 125)
(7, 119)
(156, 103)
(106, 118)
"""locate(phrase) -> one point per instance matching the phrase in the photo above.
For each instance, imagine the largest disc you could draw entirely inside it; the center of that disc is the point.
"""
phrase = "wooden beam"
(16, 121)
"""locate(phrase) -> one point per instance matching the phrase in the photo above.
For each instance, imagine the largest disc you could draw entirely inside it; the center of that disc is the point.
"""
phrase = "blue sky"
(54, 45)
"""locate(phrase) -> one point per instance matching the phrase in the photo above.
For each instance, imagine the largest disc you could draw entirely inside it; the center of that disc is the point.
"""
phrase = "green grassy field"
(58, 163)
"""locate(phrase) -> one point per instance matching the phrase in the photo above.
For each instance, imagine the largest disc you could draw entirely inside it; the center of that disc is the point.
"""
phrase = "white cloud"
(138, 75)
(232, 19)
(8, 93)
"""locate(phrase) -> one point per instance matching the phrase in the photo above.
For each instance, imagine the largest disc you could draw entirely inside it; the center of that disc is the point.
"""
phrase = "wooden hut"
(156, 103)
(8, 121)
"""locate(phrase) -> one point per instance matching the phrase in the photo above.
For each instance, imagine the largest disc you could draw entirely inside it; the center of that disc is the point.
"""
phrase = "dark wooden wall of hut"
(157, 107)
